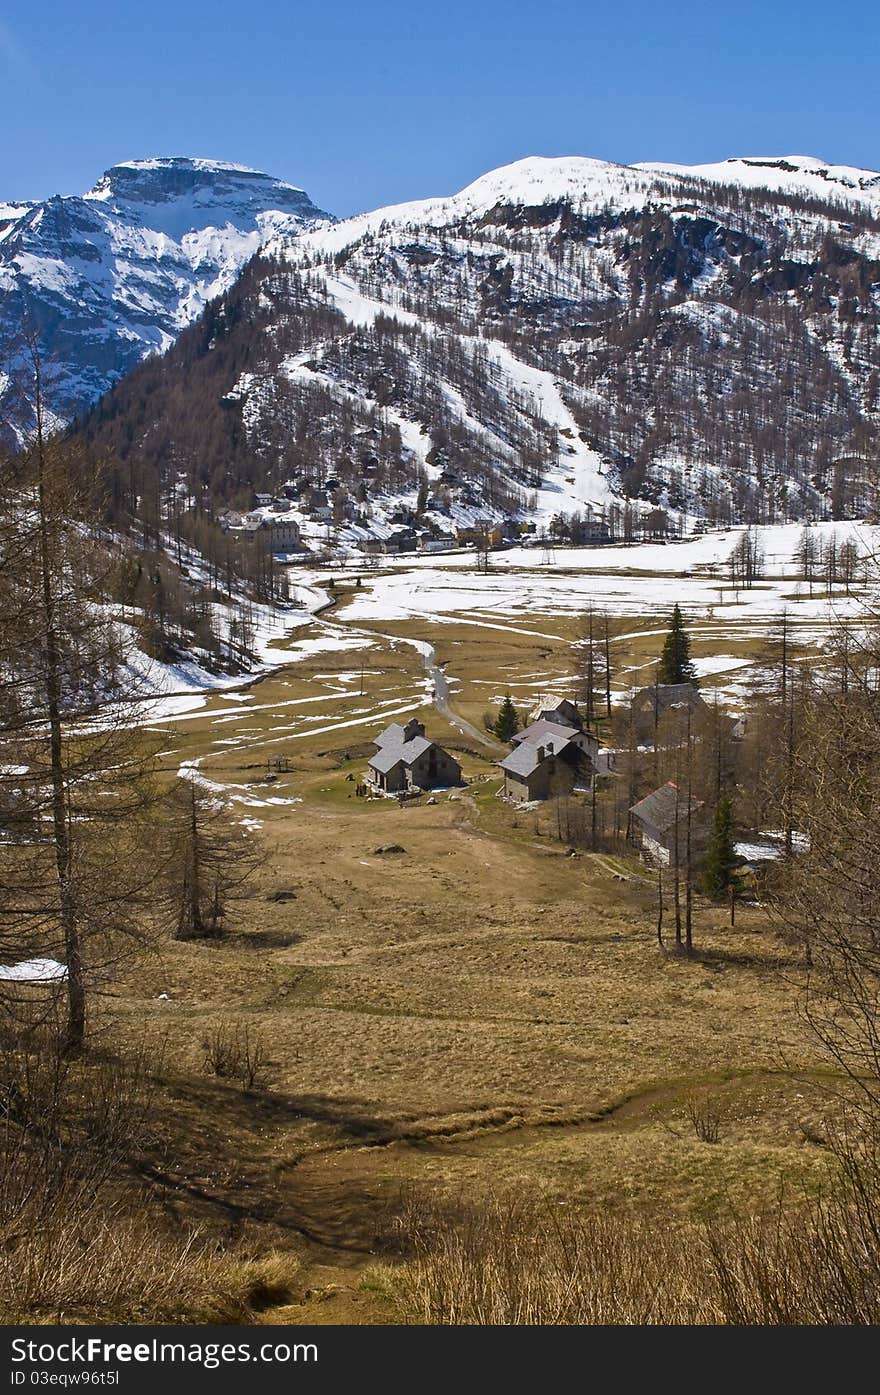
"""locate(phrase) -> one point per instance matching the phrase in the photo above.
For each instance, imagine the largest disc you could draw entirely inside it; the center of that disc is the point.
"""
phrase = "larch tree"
(720, 864)
(76, 774)
(208, 860)
(594, 685)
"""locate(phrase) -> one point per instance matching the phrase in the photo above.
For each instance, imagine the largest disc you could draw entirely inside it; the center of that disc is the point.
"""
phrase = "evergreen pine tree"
(720, 865)
(507, 722)
(675, 660)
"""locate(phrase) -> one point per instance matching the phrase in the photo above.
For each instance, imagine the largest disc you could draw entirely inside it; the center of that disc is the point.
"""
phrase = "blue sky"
(370, 103)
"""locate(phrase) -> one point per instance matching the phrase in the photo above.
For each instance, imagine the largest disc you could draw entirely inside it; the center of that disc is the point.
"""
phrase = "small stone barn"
(406, 760)
(661, 817)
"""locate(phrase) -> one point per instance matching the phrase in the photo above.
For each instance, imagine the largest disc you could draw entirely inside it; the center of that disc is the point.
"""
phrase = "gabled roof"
(392, 733)
(544, 733)
(659, 807)
(398, 733)
(525, 759)
(667, 695)
(392, 753)
(562, 709)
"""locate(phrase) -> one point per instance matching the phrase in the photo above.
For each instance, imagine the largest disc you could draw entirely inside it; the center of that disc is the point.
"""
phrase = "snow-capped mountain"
(108, 277)
(558, 336)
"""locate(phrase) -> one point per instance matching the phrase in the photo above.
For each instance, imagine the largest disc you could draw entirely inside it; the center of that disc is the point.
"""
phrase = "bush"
(234, 1051)
(705, 1116)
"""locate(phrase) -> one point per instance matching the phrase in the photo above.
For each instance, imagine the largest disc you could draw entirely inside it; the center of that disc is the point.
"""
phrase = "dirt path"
(436, 673)
(346, 1198)
(440, 685)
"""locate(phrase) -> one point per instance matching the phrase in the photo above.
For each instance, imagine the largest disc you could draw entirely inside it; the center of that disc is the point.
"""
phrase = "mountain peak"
(118, 272)
(163, 178)
(796, 174)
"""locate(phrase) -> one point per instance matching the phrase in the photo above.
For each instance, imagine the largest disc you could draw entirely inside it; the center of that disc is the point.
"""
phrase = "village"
(553, 757)
(681, 827)
(303, 520)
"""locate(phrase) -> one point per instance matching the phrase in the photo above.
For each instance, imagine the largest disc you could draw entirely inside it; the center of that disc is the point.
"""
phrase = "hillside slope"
(561, 335)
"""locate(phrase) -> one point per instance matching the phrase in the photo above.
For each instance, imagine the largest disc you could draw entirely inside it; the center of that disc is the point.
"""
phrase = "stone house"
(535, 771)
(660, 820)
(551, 756)
(547, 731)
(555, 709)
(406, 759)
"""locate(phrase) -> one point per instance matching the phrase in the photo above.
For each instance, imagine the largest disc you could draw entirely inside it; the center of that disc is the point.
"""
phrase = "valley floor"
(480, 1010)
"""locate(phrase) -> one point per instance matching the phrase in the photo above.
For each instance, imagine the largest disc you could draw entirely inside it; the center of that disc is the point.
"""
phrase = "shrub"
(234, 1051)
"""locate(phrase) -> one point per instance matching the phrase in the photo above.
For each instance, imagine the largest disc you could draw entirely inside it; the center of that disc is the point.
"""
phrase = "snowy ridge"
(799, 174)
(590, 184)
(532, 181)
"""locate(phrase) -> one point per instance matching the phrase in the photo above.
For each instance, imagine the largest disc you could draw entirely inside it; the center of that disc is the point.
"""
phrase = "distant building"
(439, 543)
(650, 705)
(398, 540)
(659, 820)
(402, 540)
(279, 534)
(406, 759)
(475, 535)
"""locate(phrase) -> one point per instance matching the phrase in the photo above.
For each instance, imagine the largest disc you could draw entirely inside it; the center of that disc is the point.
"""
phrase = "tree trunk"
(74, 1035)
(688, 869)
(607, 672)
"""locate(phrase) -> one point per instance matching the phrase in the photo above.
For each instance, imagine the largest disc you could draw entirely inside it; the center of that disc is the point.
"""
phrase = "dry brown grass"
(96, 1258)
(514, 1261)
(80, 1239)
(484, 976)
(483, 1012)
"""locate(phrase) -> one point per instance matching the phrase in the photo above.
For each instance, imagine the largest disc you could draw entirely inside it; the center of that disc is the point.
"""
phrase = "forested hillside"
(561, 336)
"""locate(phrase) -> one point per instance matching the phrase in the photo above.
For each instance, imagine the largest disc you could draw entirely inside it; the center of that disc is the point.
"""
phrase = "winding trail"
(440, 688)
(436, 675)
